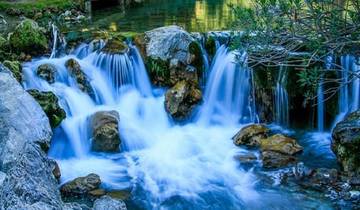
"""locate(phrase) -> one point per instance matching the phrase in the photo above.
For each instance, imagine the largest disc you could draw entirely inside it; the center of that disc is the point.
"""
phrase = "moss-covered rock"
(29, 38)
(271, 159)
(115, 46)
(251, 135)
(80, 186)
(75, 71)
(181, 99)
(15, 68)
(47, 72)
(346, 143)
(49, 103)
(210, 46)
(196, 58)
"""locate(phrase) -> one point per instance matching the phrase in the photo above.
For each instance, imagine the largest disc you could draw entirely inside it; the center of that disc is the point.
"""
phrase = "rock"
(15, 68)
(29, 38)
(280, 143)
(346, 142)
(74, 68)
(120, 194)
(56, 170)
(320, 179)
(271, 159)
(181, 99)
(97, 193)
(114, 46)
(105, 131)
(47, 72)
(246, 158)
(251, 135)
(164, 44)
(80, 186)
(50, 104)
(24, 130)
(108, 203)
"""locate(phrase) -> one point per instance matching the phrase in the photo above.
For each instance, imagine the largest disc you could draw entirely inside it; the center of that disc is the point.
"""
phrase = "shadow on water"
(193, 15)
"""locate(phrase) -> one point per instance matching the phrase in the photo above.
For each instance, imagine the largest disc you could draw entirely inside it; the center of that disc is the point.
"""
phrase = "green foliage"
(309, 81)
(157, 68)
(31, 6)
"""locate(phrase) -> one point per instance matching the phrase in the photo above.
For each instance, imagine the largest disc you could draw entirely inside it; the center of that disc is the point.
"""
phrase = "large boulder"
(75, 71)
(47, 72)
(24, 131)
(346, 142)
(161, 45)
(50, 104)
(105, 131)
(29, 38)
(181, 100)
(80, 186)
(106, 202)
(251, 135)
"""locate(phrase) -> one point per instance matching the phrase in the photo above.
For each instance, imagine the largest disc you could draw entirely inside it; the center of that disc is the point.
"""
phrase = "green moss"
(49, 103)
(28, 37)
(158, 70)
(114, 46)
(15, 68)
(210, 46)
(198, 62)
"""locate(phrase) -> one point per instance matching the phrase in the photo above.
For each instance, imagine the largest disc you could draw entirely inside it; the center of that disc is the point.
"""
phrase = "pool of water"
(193, 15)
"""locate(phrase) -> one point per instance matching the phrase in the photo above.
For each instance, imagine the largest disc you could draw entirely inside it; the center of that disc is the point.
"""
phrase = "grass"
(31, 5)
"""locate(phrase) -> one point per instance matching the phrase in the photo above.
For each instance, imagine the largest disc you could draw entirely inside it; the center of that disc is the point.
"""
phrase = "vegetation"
(300, 34)
(27, 7)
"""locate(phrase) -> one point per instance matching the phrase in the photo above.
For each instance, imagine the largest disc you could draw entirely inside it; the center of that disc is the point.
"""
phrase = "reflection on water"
(193, 15)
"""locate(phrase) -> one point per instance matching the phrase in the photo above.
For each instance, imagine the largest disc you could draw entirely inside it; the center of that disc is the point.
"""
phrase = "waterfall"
(227, 97)
(281, 98)
(349, 90)
(56, 39)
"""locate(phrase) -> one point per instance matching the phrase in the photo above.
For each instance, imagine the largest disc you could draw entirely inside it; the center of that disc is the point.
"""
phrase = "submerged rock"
(105, 131)
(346, 143)
(15, 68)
(280, 143)
(80, 186)
(29, 38)
(74, 68)
(50, 104)
(47, 72)
(181, 99)
(108, 203)
(24, 130)
(251, 135)
(114, 46)
(271, 159)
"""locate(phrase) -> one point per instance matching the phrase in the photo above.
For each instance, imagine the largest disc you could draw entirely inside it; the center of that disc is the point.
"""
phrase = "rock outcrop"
(75, 71)
(50, 104)
(47, 72)
(24, 133)
(105, 131)
(251, 135)
(346, 143)
(114, 46)
(181, 99)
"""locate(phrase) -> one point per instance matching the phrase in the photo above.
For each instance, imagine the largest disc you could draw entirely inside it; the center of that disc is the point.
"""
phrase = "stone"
(346, 142)
(282, 144)
(24, 131)
(80, 77)
(47, 72)
(251, 135)
(29, 38)
(246, 158)
(320, 179)
(108, 203)
(105, 132)
(97, 193)
(80, 186)
(114, 46)
(271, 159)
(50, 104)
(56, 170)
(181, 100)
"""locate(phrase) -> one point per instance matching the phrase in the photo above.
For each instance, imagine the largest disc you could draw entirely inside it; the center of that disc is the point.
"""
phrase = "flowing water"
(281, 99)
(164, 165)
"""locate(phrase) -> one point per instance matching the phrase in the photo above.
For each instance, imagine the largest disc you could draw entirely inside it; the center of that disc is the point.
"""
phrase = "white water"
(281, 99)
(165, 166)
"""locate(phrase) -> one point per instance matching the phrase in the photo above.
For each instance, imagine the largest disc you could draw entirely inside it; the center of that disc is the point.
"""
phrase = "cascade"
(227, 97)
(281, 99)
(57, 39)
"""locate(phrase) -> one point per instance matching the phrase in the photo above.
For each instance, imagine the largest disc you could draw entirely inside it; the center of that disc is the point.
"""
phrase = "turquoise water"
(193, 15)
